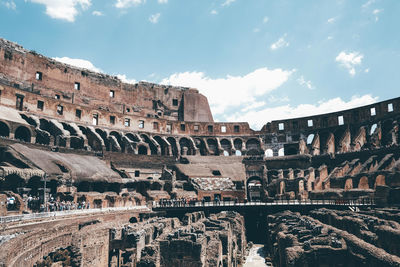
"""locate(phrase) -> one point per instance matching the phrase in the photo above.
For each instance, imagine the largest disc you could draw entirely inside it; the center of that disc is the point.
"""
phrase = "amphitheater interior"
(85, 157)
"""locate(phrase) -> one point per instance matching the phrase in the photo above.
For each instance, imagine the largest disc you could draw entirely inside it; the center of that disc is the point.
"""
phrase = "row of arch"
(52, 132)
(21, 133)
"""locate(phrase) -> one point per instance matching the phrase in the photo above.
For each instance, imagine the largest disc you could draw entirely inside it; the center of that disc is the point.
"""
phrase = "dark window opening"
(183, 127)
(127, 122)
(236, 128)
(57, 97)
(112, 93)
(20, 102)
(210, 128)
(39, 76)
(60, 110)
(155, 104)
(77, 86)
(40, 105)
(78, 113)
(175, 102)
(112, 119)
(128, 110)
(137, 173)
(155, 125)
(216, 172)
(95, 119)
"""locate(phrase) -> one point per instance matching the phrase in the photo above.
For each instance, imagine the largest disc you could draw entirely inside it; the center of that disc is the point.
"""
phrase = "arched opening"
(42, 137)
(373, 128)
(4, 129)
(238, 153)
(201, 146)
(77, 142)
(253, 144)
(238, 144)
(226, 145)
(213, 146)
(380, 181)
(174, 147)
(119, 139)
(142, 150)
(132, 137)
(310, 139)
(269, 153)
(254, 189)
(186, 148)
(281, 152)
(23, 133)
(163, 145)
(34, 183)
(152, 146)
(226, 153)
(363, 183)
(12, 182)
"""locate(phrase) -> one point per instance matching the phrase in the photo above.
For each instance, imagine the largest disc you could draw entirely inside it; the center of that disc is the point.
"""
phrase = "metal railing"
(32, 216)
(324, 202)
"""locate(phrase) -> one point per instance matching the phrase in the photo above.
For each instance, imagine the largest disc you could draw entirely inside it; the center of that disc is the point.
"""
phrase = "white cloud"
(154, 18)
(368, 3)
(214, 12)
(97, 13)
(128, 3)
(305, 83)
(350, 60)
(228, 2)
(80, 63)
(124, 79)
(64, 9)
(256, 30)
(162, 1)
(280, 43)
(10, 4)
(253, 106)
(231, 91)
(330, 37)
(265, 19)
(376, 12)
(258, 118)
(331, 20)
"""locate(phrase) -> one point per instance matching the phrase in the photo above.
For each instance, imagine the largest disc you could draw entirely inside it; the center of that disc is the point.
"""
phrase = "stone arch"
(213, 146)
(152, 146)
(348, 184)
(23, 133)
(34, 183)
(11, 183)
(380, 180)
(132, 137)
(254, 189)
(163, 145)
(103, 135)
(142, 150)
(253, 144)
(174, 146)
(226, 145)
(238, 144)
(186, 146)
(118, 136)
(4, 129)
(363, 183)
(387, 126)
(201, 146)
(269, 153)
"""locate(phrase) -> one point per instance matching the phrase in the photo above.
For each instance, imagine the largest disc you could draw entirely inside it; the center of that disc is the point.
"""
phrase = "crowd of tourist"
(36, 204)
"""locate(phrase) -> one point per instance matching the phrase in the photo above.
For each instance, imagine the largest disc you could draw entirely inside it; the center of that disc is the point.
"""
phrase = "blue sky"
(255, 60)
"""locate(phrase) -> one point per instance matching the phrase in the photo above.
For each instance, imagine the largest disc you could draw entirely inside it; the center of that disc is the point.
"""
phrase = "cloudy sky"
(255, 60)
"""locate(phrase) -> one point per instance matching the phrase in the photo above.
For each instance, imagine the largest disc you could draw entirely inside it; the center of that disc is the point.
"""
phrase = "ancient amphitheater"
(96, 172)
